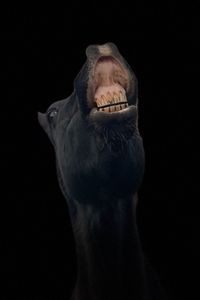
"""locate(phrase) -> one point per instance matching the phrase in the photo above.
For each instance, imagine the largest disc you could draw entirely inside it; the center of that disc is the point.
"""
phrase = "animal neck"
(109, 254)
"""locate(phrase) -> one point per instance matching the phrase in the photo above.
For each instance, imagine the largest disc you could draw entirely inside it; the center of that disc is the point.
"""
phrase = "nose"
(98, 50)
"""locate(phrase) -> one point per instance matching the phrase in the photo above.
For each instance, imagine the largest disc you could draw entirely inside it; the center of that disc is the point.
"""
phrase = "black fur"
(100, 166)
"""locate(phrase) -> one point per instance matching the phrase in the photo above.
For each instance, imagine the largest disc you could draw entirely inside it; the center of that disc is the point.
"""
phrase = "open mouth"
(110, 85)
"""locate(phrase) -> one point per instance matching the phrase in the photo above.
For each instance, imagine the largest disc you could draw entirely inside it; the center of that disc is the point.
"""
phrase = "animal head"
(98, 148)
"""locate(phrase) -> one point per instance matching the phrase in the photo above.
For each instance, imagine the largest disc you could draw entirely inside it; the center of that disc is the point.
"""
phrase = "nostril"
(91, 51)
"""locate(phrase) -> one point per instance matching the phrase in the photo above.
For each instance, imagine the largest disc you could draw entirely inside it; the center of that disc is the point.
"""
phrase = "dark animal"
(100, 166)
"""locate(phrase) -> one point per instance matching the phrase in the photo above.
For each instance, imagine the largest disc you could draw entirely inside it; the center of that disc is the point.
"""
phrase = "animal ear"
(43, 121)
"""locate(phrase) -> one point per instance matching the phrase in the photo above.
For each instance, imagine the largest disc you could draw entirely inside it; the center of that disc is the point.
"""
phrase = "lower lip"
(95, 111)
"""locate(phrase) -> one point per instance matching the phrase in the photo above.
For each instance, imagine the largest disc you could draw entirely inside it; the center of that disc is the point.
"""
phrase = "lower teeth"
(113, 108)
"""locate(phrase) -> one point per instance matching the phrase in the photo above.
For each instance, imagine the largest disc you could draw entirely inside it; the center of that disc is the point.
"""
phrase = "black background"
(43, 50)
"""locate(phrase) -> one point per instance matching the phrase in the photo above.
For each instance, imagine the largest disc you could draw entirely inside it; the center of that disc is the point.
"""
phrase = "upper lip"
(117, 65)
(110, 83)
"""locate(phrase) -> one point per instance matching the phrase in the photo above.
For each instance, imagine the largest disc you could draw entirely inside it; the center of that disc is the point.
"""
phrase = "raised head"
(99, 151)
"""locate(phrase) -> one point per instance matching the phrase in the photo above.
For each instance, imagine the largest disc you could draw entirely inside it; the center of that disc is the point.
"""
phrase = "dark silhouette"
(100, 166)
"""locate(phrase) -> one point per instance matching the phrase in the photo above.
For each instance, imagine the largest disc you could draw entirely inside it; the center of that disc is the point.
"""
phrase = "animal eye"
(52, 113)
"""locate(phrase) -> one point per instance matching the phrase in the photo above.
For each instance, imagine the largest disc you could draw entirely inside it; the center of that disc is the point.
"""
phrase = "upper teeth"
(112, 102)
